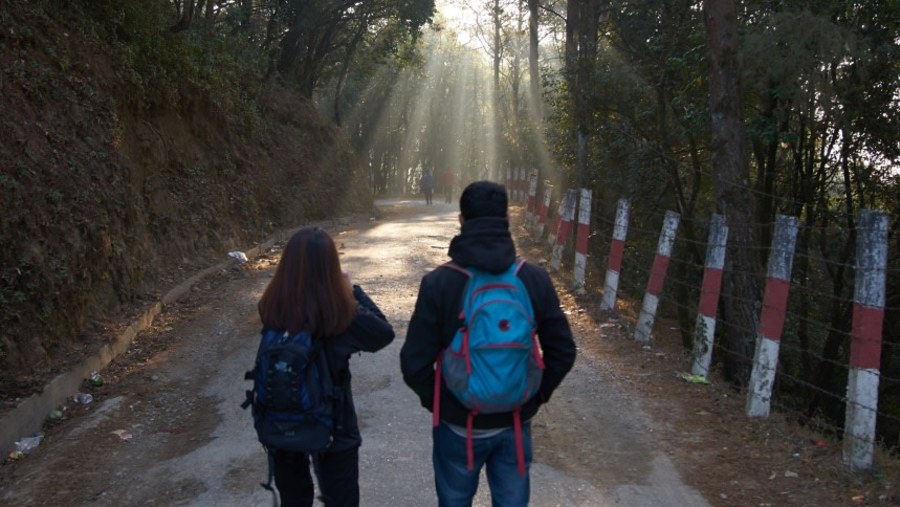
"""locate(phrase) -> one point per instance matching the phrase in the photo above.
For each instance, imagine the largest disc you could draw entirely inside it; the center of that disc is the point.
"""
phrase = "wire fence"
(826, 346)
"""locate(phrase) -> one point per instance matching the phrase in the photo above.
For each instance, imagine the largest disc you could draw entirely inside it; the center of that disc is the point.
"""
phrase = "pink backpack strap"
(520, 263)
(456, 267)
(436, 409)
(517, 413)
(520, 446)
(470, 451)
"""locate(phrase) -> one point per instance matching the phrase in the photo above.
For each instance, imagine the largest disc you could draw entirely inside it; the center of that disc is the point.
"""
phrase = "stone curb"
(29, 416)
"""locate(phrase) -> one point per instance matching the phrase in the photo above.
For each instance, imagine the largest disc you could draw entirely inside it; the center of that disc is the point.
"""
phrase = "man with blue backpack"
(487, 345)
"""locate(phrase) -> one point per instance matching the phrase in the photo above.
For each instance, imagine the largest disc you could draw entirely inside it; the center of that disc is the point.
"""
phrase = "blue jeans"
(456, 485)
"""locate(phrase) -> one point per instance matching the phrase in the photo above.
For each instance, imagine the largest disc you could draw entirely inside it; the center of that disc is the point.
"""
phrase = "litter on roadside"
(240, 256)
(122, 434)
(28, 444)
(694, 378)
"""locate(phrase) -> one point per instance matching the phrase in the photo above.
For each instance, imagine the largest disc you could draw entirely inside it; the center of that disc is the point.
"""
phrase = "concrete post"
(643, 330)
(771, 321)
(865, 340)
(705, 329)
(557, 221)
(581, 237)
(531, 200)
(544, 209)
(565, 228)
(616, 252)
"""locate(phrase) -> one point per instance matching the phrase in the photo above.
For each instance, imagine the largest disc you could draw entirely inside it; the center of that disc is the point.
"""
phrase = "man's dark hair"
(483, 199)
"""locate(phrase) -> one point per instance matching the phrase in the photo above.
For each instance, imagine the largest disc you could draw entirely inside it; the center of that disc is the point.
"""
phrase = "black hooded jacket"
(369, 332)
(485, 244)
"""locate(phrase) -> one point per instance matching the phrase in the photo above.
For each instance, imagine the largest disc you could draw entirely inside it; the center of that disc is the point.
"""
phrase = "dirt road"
(166, 427)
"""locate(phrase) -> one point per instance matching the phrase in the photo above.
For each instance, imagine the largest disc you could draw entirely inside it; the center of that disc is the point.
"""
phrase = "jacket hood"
(485, 244)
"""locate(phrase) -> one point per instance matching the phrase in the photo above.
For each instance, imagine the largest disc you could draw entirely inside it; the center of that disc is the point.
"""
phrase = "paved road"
(191, 444)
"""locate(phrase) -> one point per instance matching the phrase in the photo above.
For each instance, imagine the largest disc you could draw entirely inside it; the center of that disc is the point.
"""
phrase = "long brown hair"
(309, 290)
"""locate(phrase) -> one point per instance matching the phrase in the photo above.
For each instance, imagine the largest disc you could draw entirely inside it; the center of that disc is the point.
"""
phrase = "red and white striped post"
(865, 340)
(557, 220)
(616, 252)
(705, 329)
(544, 209)
(643, 329)
(771, 320)
(582, 234)
(523, 185)
(531, 200)
(565, 228)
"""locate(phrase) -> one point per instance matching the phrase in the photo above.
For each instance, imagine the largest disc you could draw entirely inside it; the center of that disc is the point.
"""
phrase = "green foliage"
(319, 40)
(167, 68)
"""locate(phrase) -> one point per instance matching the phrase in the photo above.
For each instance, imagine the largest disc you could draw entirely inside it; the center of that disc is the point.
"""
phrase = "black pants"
(336, 472)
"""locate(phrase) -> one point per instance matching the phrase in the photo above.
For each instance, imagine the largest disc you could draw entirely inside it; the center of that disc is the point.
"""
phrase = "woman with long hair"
(309, 291)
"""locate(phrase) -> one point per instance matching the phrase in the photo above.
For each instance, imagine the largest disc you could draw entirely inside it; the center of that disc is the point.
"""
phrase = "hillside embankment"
(114, 190)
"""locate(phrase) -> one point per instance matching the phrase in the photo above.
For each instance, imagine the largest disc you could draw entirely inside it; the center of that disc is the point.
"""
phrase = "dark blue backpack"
(294, 395)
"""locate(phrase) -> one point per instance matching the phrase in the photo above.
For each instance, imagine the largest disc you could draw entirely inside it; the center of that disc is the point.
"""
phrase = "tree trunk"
(733, 199)
(187, 15)
(345, 67)
(498, 106)
(247, 16)
(535, 104)
(583, 21)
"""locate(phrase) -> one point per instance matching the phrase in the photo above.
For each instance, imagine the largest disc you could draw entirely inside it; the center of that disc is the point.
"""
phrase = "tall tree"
(497, 58)
(535, 105)
(582, 27)
(732, 178)
(316, 36)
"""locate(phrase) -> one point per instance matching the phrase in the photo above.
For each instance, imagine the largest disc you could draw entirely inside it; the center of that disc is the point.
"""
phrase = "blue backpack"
(493, 363)
(293, 395)
(295, 399)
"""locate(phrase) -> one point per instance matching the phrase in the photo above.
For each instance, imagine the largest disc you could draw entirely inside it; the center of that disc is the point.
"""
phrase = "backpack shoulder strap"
(515, 267)
(463, 296)
(518, 263)
(340, 378)
(456, 267)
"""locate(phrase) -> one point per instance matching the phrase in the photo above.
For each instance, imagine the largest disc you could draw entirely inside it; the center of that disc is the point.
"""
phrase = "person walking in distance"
(309, 292)
(427, 184)
(467, 439)
(448, 179)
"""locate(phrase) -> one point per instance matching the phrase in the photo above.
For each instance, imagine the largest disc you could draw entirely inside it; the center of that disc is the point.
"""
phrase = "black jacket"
(369, 332)
(486, 244)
